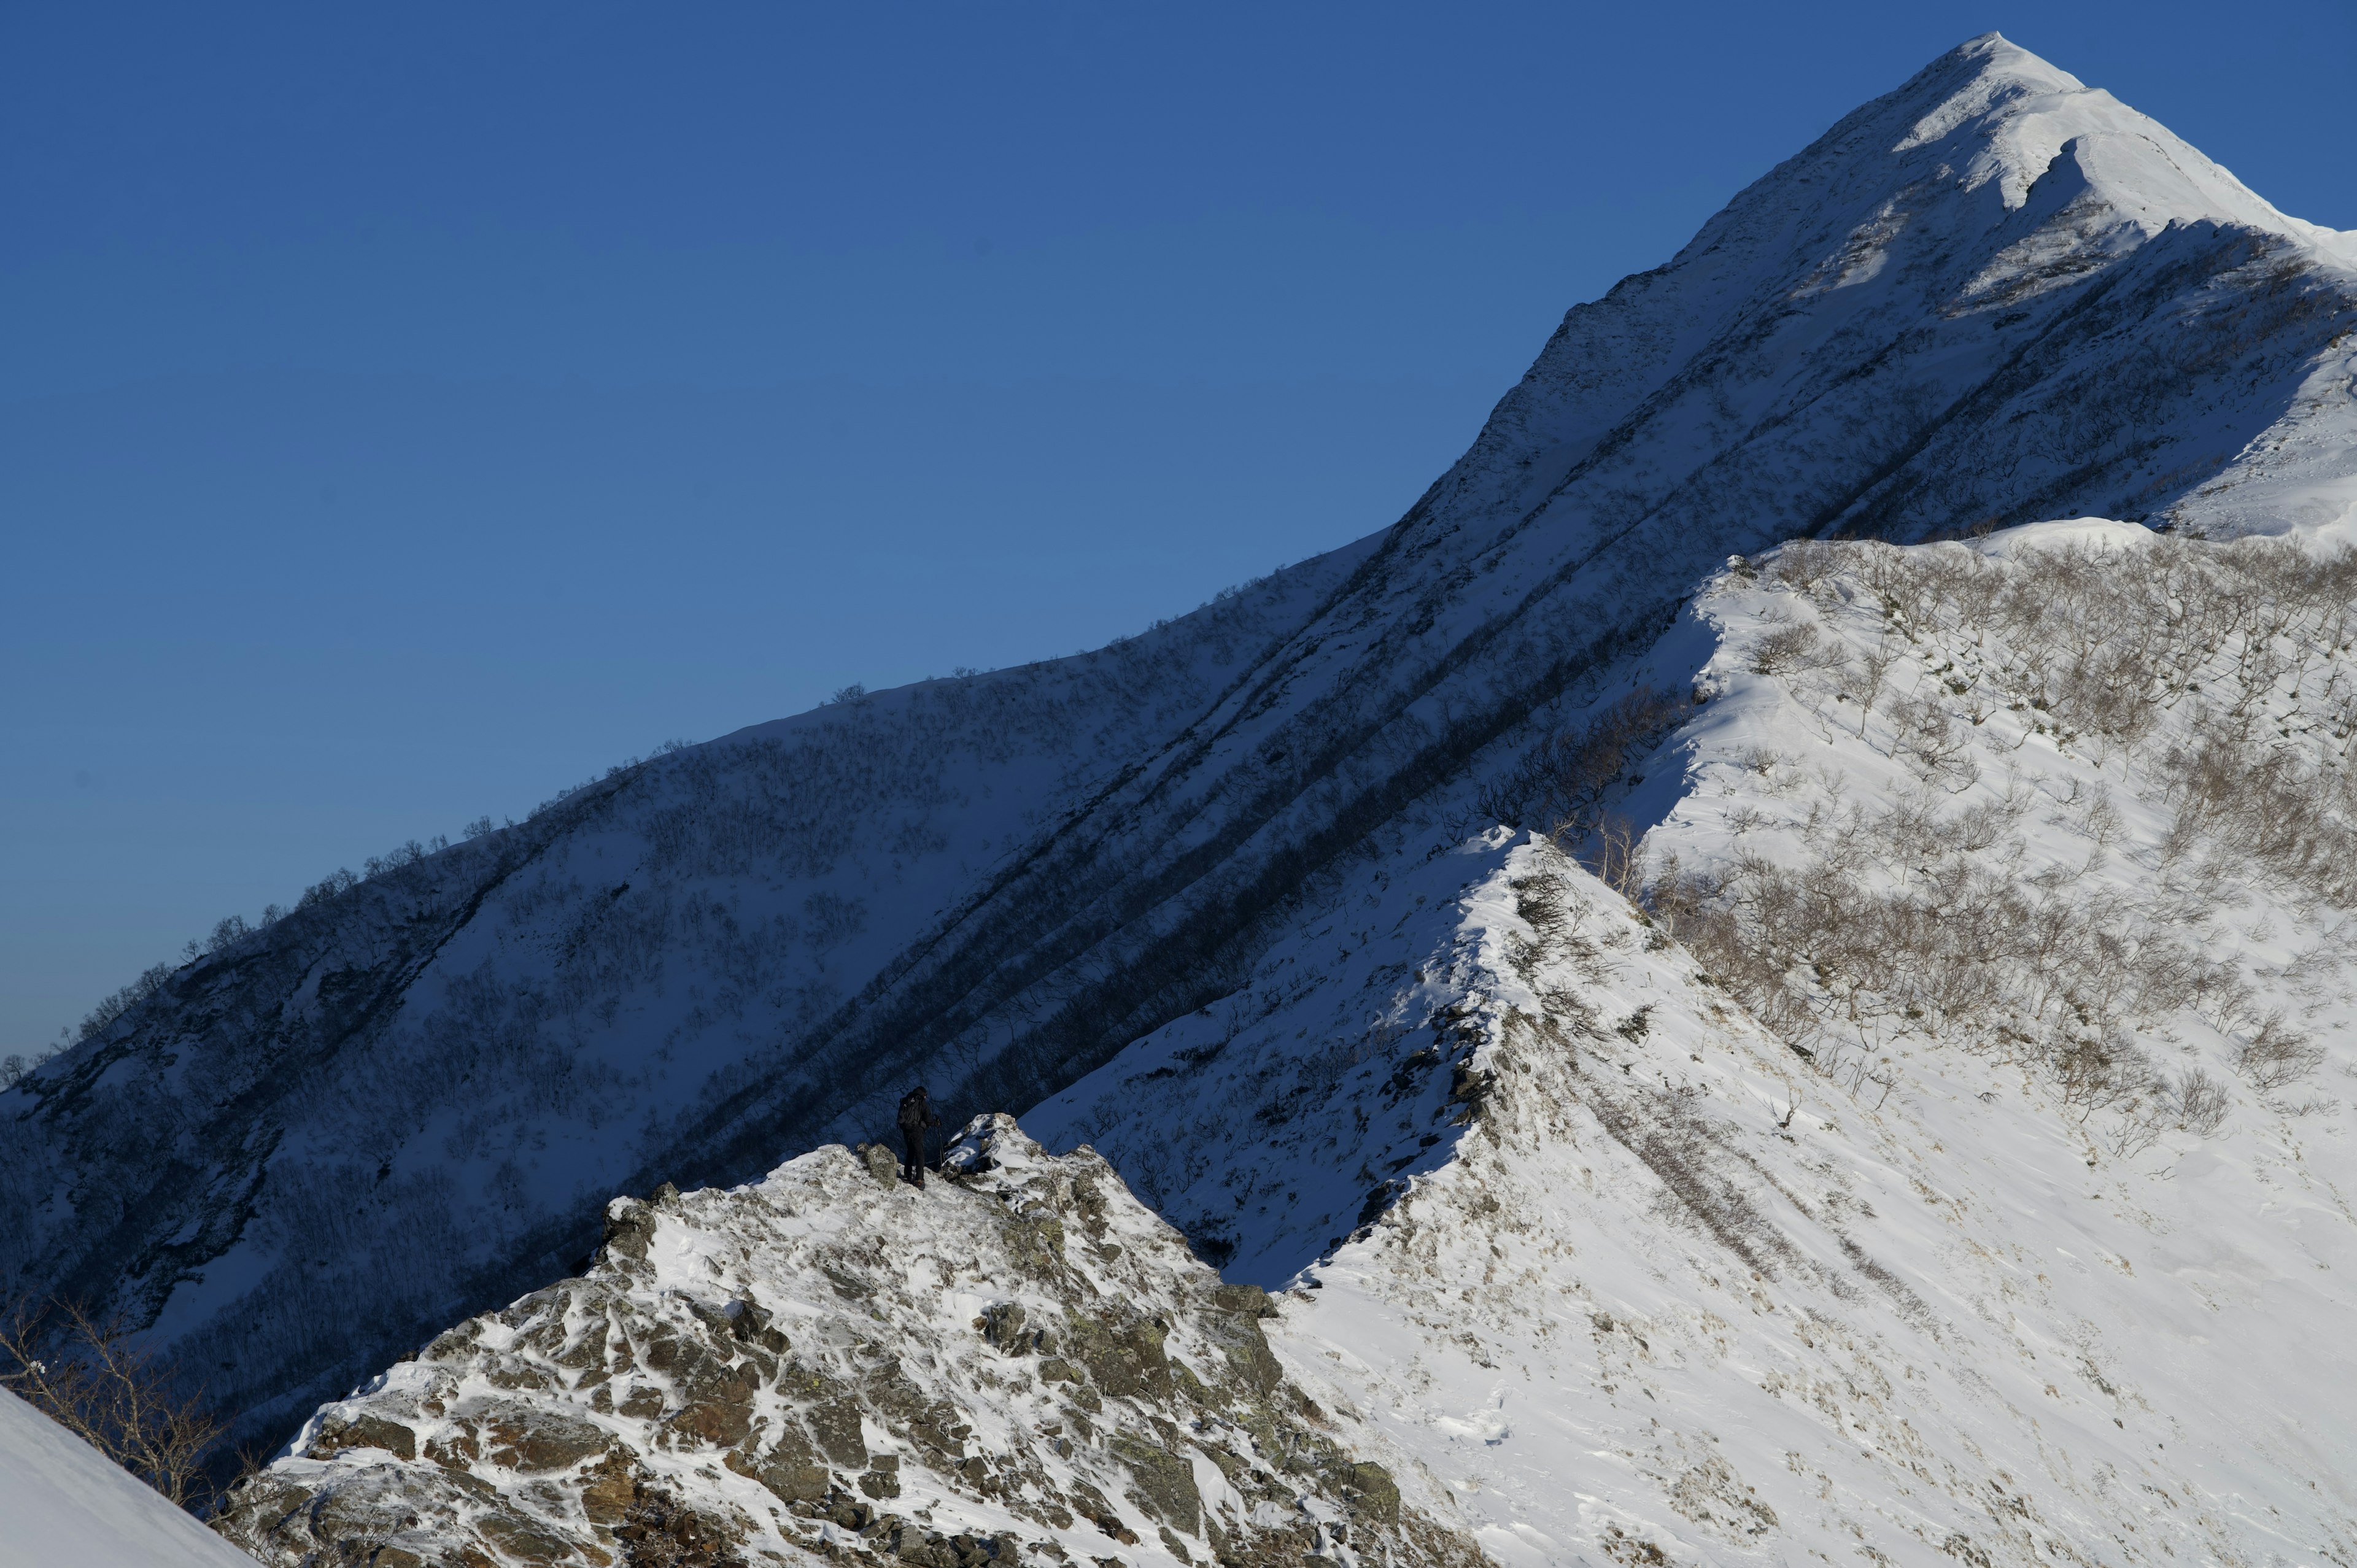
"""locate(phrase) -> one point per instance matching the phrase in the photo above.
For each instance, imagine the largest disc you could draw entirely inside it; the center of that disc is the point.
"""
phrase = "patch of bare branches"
(1840, 960)
(2272, 1056)
(90, 1377)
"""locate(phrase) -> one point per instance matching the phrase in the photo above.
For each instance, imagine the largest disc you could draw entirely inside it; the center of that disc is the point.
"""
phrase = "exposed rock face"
(1018, 1362)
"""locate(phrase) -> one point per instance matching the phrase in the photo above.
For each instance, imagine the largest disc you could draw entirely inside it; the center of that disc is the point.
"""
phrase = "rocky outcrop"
(1017, 1362)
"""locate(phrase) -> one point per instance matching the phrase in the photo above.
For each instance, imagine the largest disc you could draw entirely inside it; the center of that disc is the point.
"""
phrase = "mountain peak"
(1991, 113)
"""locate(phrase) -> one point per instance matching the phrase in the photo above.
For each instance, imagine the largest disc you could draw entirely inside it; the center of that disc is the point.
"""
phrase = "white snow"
(64, 1505)
(2088, 532)
(1675, 1285)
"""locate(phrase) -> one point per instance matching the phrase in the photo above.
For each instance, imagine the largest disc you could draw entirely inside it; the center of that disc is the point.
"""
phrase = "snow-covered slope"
(63, 1503)
(1951, 1156)
(1991, 295)
(1905, 1172)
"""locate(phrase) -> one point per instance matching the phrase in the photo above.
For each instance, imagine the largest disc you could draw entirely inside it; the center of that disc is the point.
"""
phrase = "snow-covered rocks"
(1014, 1363)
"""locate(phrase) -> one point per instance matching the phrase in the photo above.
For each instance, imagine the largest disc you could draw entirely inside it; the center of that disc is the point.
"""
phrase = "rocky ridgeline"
(1019, 1363)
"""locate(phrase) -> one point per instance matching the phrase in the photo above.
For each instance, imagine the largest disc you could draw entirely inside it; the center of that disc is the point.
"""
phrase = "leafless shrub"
(122, 1001)
(2273, 1056)
(1933, 746)
(2140, 1124)
(2196, 1103)
(1557, 917)
(87, 1375)
(1802, 564)
(2296, 818)
(1794, 648)
(2201, 1103)
(2217, 666)
(1835, 963)
(1862, 680)
(1856, 1071)
(1615, 856)
(2102, 1072)
(1699, 1189)
(1897, 579)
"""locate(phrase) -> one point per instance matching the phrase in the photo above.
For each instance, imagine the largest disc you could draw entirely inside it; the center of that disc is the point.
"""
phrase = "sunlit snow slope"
(1925, 1141)
(1992, 296)
(2022, 1232)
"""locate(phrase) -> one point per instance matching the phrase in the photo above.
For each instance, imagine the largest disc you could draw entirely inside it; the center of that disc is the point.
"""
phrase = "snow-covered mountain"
(1215, 898)
(1949, 1156)
(1944, 1158)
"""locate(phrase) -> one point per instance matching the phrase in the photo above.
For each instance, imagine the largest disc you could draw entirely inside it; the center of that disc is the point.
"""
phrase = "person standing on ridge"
(917, 1115)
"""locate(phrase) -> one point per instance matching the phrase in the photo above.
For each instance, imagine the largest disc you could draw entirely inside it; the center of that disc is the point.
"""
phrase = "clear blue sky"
(407, 412)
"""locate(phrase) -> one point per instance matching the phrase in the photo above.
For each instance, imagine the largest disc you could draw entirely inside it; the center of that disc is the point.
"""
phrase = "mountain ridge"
(411, 1100)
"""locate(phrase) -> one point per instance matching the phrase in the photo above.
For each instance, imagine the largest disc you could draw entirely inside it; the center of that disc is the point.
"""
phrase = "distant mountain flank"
(1992, 297)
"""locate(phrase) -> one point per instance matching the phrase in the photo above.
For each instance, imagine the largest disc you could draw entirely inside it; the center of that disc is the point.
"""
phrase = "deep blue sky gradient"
(407, 412)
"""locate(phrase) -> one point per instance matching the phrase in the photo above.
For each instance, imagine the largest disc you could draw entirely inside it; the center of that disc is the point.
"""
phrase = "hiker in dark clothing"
(917, 1115)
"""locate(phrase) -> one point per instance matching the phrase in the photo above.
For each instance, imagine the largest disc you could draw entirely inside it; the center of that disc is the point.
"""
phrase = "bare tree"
(2201, 1103)
(86, 1374)
(1617, 856)
(1865, 679)
(1794, 648)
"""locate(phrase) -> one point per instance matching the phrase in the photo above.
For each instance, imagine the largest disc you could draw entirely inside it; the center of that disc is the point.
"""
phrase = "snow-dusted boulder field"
(1721, 1049)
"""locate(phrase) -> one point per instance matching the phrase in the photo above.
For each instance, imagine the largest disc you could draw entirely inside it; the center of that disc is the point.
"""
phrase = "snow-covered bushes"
(2273, 1056)
(1839, 960)
(2211, 684)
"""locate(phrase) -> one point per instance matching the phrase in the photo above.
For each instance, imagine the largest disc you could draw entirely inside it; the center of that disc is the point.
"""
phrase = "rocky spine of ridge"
(1017, 1363)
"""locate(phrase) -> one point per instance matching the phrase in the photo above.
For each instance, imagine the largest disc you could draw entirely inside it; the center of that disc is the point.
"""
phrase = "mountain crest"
(1991, 297)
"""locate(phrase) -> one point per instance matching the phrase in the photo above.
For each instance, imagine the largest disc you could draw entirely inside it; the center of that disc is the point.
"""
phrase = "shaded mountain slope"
(1991, 295)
